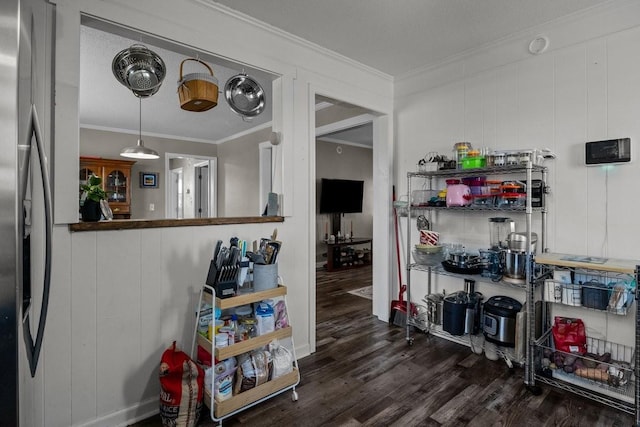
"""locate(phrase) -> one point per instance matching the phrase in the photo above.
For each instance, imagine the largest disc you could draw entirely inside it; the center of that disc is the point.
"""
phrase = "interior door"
(202, 191)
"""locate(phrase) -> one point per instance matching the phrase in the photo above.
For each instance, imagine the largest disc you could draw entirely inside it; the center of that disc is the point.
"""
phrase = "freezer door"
(26, 43)
(35, 132)
(9, 335)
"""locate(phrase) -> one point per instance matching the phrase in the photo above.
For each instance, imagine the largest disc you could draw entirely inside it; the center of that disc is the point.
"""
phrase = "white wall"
(351, 163)
(119, 298)
(584, 88)
(108, 145)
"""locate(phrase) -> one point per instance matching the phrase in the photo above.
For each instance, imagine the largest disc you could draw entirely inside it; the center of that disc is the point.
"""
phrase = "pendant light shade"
(139, 151)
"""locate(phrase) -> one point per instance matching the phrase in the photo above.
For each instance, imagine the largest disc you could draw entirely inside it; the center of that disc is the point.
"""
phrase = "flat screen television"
(341, 196)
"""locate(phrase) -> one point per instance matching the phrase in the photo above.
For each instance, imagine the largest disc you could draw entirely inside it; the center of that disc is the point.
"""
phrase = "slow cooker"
(499, 320)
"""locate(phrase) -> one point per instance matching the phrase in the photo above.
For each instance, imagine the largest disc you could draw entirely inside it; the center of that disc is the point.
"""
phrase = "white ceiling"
(397, 37)
(394, 37)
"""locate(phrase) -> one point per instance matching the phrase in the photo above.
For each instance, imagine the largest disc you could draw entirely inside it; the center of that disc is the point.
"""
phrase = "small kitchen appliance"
(499, 230)
(473, 311)
(499, 320)
(516, 256)
(458, 195)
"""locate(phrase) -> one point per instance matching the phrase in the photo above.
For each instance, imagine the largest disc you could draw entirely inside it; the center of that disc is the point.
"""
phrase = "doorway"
(343, 151)
(192, 189)
(175, 205)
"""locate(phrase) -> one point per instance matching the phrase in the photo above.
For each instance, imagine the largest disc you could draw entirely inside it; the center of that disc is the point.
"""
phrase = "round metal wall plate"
(244, 95)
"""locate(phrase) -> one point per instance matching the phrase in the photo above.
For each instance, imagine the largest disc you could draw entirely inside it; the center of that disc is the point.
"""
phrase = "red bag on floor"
(181, 389)
(569, 335)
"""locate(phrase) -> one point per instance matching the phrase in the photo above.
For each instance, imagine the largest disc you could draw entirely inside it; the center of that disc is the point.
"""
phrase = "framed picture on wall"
(148, 179)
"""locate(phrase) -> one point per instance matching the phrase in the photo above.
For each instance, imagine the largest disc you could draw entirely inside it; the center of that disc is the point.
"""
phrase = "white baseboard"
(127, 416)
(302, 351)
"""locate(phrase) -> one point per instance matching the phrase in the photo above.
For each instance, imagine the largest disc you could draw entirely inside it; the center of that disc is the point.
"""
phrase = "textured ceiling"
(394, 37)
(397, 37)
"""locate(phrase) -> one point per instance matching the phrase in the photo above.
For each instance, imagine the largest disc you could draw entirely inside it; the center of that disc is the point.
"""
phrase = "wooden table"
(337, 261)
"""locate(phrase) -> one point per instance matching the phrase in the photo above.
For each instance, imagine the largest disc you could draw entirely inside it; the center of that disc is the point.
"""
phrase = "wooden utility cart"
(219, 410)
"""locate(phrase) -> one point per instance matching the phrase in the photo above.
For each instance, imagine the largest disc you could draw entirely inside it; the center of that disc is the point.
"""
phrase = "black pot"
(91, 211)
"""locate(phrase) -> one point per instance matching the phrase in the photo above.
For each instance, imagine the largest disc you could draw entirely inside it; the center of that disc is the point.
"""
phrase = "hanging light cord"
(140, 121)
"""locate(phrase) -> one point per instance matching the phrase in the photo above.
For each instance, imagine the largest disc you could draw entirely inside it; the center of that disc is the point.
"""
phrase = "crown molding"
(178, 137)
(518, 36)
(151, 134)
(293, 38)
(244, 133)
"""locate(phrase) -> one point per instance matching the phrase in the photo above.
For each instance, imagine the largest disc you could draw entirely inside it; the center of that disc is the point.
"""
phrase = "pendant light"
(139, 151)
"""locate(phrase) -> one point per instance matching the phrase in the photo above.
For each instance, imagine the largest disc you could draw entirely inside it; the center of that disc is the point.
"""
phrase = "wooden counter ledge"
(136, 224)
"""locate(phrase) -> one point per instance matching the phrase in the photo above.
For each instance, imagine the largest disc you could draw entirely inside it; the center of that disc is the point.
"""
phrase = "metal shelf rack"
(528, 170)
(624, 392)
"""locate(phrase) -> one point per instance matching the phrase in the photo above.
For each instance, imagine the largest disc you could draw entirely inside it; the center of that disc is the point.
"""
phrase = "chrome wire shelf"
(619, 394)
(479, 171)
(439, 270)
(473, 208)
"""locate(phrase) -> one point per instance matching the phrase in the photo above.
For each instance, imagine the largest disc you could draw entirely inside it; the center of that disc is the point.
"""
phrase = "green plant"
(92, 189)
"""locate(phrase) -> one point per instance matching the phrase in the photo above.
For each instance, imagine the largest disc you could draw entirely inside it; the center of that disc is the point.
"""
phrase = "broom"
(398, 312)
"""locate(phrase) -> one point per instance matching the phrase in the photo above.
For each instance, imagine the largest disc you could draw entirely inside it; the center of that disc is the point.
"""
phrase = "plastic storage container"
(486, 200)
(474, 162)
(595, 295)
(511, 200)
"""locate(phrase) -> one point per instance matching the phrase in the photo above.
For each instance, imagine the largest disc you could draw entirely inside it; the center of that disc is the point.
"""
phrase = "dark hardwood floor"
(364, 374)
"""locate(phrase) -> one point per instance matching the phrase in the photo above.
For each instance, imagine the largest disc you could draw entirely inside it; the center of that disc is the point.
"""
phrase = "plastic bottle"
(206, 314)
(233, 324)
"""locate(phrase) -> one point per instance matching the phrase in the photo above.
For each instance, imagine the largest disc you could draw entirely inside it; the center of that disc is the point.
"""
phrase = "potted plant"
(92, 195)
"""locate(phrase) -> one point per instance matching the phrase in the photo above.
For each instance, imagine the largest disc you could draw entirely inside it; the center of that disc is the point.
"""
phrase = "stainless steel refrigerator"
(26, 142)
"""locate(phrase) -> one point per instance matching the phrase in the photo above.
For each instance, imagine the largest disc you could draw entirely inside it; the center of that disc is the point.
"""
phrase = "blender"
(499, 230)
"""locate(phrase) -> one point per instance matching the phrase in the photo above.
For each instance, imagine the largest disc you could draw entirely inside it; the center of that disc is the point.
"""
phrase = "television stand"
(342, 255)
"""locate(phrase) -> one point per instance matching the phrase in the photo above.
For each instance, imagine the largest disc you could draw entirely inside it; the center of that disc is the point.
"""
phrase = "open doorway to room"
(192, 186)
(344, 212)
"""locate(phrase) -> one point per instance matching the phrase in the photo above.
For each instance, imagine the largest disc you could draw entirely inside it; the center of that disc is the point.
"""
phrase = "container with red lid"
(511, 200)
(513, 187)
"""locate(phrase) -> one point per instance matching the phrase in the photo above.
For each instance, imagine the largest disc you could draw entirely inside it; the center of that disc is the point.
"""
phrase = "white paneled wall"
(580, 91)
(558, 100)
(119, 299)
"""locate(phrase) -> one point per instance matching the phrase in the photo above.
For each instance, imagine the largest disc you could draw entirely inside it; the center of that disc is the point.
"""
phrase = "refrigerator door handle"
(34, 347)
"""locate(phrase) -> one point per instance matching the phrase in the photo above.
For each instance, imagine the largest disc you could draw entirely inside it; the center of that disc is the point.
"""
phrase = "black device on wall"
(608, 151)
(339, 196)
